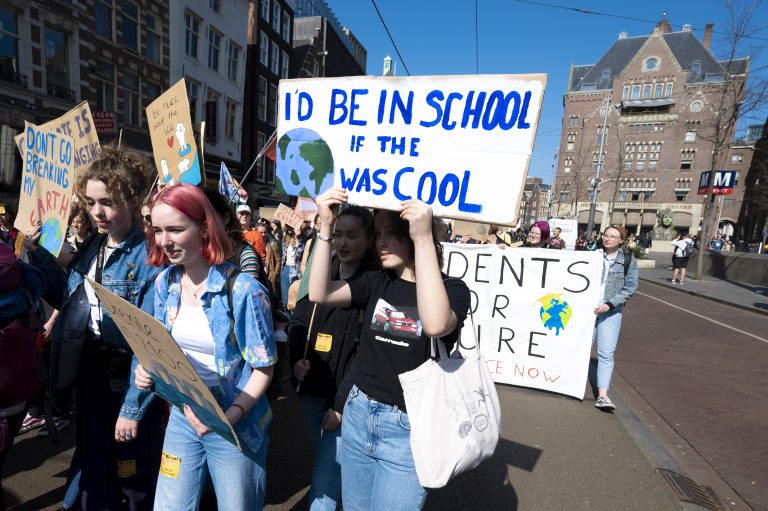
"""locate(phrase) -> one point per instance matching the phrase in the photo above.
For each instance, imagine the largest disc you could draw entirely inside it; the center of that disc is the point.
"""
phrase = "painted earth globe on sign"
(555, 313)
(304, 164)
(50, 239)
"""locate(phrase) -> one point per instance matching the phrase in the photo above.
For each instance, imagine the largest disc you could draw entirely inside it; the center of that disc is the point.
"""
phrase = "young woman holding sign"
(232, 349)
(119, 427)
(405, 303)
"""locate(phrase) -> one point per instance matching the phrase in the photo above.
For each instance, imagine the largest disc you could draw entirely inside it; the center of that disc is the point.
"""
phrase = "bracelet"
(242, 410)
(324, 238)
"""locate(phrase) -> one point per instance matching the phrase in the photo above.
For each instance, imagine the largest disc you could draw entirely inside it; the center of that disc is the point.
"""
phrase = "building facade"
(535, 203)
(652, 101)
(55, 54)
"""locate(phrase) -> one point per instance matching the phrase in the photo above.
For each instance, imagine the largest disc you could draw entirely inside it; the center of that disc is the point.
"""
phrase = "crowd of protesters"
(228, 288)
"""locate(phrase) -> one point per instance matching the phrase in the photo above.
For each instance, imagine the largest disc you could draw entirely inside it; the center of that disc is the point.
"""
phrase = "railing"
(60, 92)
(14, 78)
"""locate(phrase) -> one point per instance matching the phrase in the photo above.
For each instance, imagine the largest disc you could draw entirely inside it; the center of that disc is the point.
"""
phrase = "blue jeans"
(326, 471)
(377, 469)
(287, 275)
(607, 327)
(239, 479)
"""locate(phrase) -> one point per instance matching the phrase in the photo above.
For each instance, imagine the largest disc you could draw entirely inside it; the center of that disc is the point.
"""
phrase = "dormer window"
(696, 66)
(606, 74)
(650, 64)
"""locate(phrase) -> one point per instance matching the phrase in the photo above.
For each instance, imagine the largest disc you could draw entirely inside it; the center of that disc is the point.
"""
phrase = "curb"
(706, 297)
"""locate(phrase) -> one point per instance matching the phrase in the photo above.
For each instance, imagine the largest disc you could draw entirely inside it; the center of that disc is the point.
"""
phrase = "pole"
(719, 214)
(261, 153)
(593, 204)
(552, 186)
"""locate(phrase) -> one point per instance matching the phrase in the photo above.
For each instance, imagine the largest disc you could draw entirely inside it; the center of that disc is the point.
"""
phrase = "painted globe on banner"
(50, 239)
(304, 164)
(555, 313)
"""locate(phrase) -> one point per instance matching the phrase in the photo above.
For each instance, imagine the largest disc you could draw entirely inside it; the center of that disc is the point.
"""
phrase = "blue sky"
(438, 38)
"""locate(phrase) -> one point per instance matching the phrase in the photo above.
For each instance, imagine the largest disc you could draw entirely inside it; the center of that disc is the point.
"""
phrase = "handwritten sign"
(533, 312)
(459, 143)
(478, 232)
(47, 183)
(173, 141)
(268, 213)
(288, 216)
(569, 230)
(78, 123)
(174, 376)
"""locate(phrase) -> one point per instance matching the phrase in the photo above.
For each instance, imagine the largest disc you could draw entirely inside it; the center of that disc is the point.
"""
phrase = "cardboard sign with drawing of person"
(173, 141)
(288, 217)
(175, 378)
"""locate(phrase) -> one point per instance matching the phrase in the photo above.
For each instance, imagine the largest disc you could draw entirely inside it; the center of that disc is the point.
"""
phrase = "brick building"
(663, 92)
(535, 203)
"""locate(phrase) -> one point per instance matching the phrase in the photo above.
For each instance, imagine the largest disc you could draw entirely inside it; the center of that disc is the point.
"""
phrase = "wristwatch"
(324, 238)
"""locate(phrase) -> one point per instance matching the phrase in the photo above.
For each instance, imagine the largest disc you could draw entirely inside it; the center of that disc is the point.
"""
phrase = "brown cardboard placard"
(479, 232)
(288, 217)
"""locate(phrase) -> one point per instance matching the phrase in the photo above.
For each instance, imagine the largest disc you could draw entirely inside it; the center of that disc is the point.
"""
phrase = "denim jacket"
(618, 287)
(253, 341)
(127, 274)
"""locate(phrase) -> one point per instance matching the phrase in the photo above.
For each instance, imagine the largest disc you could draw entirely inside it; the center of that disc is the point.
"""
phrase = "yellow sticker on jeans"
(170, 465)
(126, 468)
(323, 343)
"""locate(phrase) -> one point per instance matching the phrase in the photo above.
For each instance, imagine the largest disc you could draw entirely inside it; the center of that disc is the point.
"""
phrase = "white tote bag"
(454, 413)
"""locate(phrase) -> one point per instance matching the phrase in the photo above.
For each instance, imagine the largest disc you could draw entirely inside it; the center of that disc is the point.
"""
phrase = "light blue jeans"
(377, 469)
(607, 328)
(239, 479)
(326, 471)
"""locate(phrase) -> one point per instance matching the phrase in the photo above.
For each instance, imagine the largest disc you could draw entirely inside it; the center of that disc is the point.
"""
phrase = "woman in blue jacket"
(233, 351)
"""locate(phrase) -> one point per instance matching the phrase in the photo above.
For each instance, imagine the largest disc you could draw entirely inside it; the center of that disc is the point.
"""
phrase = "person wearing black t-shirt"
(405, 304)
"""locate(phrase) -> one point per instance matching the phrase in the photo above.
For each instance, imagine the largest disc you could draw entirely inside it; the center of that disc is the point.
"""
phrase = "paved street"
(691, 397)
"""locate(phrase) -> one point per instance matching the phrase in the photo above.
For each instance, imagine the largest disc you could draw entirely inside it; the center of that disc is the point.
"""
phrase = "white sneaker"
(605, 403)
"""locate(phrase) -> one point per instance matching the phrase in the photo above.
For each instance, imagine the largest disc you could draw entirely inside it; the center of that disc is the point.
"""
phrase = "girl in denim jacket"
(119, 427)
(233, 351)
(619, 285)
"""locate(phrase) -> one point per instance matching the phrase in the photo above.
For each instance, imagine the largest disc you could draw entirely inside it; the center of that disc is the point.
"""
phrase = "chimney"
(708, 35)
(623, 35)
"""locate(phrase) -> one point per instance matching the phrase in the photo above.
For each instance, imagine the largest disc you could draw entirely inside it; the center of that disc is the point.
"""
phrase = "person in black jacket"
(321, 360)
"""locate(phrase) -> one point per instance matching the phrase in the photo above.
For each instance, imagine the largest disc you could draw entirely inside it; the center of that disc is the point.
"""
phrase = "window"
(680, 196)
(668, 91)
(272, 106)
(570, 141)
(625, 93)
(696, 66)
(606, 74)
(262, 111)
(153, 50)
(263, 48)
(234, 61)
(564, 196)
(736, 159)
(646, 91)
(104, 79)
(284, 65)
(640, 165)
(270, 171)
(647, 196)
(589, 86)
(653, 164)
(102, 18)
(56, 63)
(131, 25)
(230, 118)
(214, 49)
(264, 4)
(152, 90)
(635, 196)
(193, 33)
(595, 162)
(651, 64)
(215, 6)
(274, 62)
(9, 45)
(600, 135)
(131, 93)
(211, 115)
(286, 26)
(623, 195)
(573, 121)
(567, 164)
(276, 10)
(658, 90)
(260, 161)
(713, 77)
(690, 136)
(193, 93)
(686, 159)
(635, 92)
(627, 165)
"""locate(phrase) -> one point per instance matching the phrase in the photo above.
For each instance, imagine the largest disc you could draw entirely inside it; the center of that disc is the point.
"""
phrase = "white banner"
(460, 143)
(533, 310)
(569, 228)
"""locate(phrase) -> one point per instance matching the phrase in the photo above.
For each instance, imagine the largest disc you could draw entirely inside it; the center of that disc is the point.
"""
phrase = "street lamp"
(593, 202)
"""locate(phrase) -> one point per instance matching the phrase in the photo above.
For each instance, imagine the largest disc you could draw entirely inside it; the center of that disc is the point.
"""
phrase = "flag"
(227, 185)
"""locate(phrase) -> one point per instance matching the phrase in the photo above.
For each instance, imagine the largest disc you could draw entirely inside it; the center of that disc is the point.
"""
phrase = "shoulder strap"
(627, 261)
(230, 284)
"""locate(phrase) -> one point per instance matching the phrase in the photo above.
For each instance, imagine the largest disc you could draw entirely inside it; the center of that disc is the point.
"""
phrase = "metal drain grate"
(687, 490)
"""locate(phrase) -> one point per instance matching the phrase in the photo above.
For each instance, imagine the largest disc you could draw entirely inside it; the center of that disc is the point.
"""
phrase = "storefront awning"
(680, 219)
(584, 217)
(649, 219)
(633, 218)
(617, 217)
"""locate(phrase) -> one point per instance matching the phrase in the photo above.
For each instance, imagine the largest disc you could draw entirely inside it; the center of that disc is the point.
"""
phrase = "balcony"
(60, 92)
(14, 78)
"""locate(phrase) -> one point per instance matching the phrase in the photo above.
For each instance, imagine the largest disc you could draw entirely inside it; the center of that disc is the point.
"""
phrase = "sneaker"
(674, 282)
(58, 422)
(604, 403)
(31, 423)
(681, 282)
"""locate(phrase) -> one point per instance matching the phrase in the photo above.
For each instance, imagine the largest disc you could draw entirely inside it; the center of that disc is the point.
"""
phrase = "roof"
(685, 47)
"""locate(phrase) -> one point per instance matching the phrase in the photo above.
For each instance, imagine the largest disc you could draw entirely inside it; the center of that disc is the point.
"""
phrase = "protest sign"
(288, 216)
(306, 208)
(174, 377)
(46, 187)
(268, 213)
(569, 230)
(533, 310)
(173, 142)
(459, 143)
(78, 124)
(478, 232)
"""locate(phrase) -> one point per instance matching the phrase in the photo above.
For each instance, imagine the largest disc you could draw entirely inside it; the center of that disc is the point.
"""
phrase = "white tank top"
(192, 333)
